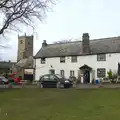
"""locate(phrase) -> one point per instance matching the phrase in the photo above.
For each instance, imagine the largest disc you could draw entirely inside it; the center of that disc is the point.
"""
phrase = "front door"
(86, 76)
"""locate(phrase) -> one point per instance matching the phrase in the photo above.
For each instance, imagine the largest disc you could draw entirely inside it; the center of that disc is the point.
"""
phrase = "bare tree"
(23, 11)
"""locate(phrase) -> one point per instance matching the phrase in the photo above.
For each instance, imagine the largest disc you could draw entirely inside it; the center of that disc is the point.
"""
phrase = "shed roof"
(5, 65)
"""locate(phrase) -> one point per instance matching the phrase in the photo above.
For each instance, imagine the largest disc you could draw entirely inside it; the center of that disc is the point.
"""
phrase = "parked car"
(3, 80)
(54, 81)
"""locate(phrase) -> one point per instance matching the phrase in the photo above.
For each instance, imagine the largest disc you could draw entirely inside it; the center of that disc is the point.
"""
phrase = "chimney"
(85, 43)
(44, 44)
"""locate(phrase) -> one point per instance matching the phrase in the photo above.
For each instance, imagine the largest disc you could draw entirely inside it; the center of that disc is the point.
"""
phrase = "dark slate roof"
(85, 67)
(4, 65)
(97, 46)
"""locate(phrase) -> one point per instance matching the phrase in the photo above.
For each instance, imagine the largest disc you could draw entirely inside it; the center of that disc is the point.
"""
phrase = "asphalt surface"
(79, 86)
(82, 86)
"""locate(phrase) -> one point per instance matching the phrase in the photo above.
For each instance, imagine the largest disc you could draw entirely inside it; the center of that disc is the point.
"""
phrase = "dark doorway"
(85, 70)
(28, 77)
(86, 77)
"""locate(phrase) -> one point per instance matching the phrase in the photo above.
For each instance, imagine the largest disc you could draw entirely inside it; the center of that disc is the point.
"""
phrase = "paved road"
(3, 86)
(83, 86)
(18, 86)
(80, 86)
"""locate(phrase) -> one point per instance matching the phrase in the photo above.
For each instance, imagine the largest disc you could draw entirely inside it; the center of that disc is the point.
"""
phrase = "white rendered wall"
(90, 60)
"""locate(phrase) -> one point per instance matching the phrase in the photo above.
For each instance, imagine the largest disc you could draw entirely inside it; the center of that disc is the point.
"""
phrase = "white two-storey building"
(86, 59)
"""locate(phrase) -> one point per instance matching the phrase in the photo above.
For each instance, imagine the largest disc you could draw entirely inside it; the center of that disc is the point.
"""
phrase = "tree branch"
(22, 10)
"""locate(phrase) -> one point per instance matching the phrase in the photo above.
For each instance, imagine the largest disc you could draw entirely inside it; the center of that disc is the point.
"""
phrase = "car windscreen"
(60, 77)
(45, 78)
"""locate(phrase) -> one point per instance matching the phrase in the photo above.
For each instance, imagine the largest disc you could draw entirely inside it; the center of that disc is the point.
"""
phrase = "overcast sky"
(70, 19)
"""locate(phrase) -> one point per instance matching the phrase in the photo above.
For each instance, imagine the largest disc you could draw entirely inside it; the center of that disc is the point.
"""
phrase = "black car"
(54, 81)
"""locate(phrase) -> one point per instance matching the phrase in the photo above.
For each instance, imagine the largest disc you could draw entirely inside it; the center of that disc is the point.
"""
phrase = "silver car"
(3, 80)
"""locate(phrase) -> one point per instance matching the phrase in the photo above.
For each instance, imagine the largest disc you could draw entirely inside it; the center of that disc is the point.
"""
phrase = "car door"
(53, 80)
(45, 81)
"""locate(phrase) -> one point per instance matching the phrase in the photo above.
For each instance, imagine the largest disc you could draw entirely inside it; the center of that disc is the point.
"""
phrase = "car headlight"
(66, 81)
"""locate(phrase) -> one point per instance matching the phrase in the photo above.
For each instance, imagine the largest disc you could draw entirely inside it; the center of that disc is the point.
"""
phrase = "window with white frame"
(72, 73)
(101, 72)
(101, 57)
(62, 59)
(62, 73)
(43, 60)
(74, 59)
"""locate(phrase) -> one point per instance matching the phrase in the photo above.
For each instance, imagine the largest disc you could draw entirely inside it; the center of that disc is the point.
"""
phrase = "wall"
(26, 48)
(29, 46)
(21, 48)
(28, 71)
(90, 60)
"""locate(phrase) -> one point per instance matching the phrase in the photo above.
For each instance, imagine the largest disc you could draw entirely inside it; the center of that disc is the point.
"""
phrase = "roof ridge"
(102, 45)
(81, 40)
(105, 38)
(64, 43)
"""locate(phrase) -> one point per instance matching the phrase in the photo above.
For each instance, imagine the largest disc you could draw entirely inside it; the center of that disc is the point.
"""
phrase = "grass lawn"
(60, 104)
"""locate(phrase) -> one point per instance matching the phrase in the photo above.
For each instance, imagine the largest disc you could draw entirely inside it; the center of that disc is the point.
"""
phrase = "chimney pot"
(44, 44)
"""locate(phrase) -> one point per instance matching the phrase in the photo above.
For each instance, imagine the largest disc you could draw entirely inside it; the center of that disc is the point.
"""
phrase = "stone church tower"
(25, 47)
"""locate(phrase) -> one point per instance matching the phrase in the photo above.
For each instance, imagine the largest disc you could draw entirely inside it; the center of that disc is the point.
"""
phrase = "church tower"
(25, 47)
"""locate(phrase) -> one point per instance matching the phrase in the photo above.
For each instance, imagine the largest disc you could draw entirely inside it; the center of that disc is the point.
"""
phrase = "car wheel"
(62, 86)
(66, 86)
(41, 85)
(1, 82)
(58, 85)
